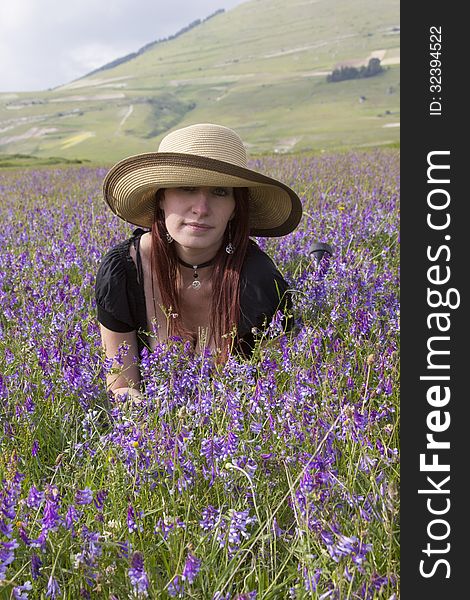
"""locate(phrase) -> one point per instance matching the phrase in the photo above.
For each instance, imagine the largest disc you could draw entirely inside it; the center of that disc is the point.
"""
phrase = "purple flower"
(164, 528)
(35, 497)
(40, 541)
(239, 522)
(350, 546)
(210, 518)
(191, 568)
(100, 498)
(8, 501)
(6, 528)
(35, 448)
(123, 549)
(378, 581)
(277, 530)
(53, 589)
(91, 551)
(175, 588)
(276, 327)
(138, 576)
(311, 579)
(7, 556)
(327, 537)
(84, 496)
(212, 449)
(50, 519)
(131, 524)
(23, 535)
(20, 592)
(71, 516)
(36, 565)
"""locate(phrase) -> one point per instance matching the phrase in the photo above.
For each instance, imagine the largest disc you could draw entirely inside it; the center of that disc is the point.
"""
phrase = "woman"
(193, 272)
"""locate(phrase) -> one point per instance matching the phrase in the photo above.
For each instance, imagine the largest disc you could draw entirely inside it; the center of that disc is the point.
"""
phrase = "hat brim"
(129, 189)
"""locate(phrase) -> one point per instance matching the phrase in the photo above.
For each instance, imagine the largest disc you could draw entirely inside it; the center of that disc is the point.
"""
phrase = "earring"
(169, 239)
(230, 248)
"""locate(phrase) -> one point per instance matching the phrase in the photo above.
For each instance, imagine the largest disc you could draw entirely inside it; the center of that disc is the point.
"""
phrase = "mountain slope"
(259, 68)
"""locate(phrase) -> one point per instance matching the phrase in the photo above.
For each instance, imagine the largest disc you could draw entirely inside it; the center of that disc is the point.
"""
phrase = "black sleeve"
(263, 292)
(111, 296)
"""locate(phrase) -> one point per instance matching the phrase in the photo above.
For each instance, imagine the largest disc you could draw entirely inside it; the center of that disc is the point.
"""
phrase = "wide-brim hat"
(200, 155)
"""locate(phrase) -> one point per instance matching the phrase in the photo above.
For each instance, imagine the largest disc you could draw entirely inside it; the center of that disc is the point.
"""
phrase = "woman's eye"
(221, 191)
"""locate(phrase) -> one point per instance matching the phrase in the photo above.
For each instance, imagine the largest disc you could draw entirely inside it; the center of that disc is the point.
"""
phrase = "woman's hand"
(128, 397)
(130, 392)
(124, 372)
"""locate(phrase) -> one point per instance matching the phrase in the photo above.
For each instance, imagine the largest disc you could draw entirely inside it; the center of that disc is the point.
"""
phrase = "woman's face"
(196, 217)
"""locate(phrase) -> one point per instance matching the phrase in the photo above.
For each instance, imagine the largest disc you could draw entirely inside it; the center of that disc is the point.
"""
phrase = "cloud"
(46, 43)
(14, 14)
(87, 57)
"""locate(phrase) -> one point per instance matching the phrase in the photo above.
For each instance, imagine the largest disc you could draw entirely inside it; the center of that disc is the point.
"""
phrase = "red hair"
(225, 300)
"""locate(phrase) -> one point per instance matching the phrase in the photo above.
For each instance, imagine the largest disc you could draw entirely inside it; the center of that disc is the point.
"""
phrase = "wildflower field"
(273, 478)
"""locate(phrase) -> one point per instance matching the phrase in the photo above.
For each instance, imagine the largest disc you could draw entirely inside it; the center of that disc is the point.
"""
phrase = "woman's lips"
(198, 226)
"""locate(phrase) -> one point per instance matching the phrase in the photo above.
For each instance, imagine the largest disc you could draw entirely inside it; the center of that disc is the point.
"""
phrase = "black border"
(422, 133)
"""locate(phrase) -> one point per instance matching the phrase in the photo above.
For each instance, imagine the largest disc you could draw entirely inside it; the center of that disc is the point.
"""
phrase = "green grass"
(26, 160)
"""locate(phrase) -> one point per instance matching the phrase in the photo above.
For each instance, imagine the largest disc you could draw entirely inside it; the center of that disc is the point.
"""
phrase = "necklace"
(196, 284)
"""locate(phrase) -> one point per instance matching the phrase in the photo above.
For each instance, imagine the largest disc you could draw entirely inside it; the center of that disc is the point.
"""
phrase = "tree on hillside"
(346, 72)
(373, 68)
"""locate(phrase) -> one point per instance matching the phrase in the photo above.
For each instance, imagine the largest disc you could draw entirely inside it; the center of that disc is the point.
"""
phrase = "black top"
(120, 298)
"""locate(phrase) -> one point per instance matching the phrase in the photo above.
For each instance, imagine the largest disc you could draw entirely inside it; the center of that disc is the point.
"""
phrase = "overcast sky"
(46, 43)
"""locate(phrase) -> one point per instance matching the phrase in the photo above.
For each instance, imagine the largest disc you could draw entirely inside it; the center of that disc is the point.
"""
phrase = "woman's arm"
(124, 376)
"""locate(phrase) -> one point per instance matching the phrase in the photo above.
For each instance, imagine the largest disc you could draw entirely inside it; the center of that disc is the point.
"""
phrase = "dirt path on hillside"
(128, 113)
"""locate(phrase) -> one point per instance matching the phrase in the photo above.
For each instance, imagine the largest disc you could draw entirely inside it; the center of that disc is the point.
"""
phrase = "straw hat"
(200, 155)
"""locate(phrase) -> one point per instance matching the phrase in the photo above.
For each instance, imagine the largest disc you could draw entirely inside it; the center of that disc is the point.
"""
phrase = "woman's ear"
(160, 197)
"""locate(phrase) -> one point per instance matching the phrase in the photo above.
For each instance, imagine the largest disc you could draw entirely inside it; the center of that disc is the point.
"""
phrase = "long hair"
(225, 300)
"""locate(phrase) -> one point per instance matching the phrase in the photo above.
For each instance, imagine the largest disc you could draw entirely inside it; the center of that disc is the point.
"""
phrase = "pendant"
(196, 284)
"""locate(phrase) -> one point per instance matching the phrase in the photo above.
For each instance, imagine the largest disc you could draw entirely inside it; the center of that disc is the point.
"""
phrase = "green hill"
(260, 68)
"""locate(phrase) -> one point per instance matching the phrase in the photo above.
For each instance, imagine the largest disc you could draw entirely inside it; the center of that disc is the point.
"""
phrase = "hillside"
(260, 68)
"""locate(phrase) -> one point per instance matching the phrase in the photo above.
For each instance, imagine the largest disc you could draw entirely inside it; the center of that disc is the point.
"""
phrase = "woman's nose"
(201, 202)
